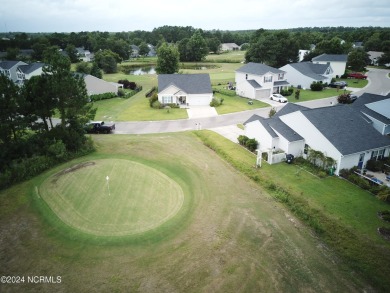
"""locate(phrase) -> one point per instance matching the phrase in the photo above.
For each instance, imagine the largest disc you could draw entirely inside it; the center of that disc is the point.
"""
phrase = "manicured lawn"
(344, 216)
(308, 95)
(354, 83)
(237, 104)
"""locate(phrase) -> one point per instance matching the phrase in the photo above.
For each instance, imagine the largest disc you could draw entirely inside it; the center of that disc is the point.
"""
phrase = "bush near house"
(249, 143)
(131, 85)
(287, 92)
(316, 86)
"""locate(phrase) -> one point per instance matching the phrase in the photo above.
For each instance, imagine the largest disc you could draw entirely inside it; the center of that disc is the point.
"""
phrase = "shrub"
(215, 102)
(287, 92)
(150, 92)
(156, 105)
(131, 85)
(153, 99)
(100, 97)
(359, 181)
(316, 86)
(121, 93)
(242, 139)
(374, 166)
(344, 99)
(251, 144)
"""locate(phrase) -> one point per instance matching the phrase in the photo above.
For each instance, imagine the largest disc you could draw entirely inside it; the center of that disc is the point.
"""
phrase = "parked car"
(357, 75)
(99, 127)
(279, 98)
(339, 84)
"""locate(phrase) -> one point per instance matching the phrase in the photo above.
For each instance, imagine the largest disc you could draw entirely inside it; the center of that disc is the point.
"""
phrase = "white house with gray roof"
(259, 81)
(185, 89)
(338, 62)
(25, 72)
(305, 73)
(339, 132)
(10, 68)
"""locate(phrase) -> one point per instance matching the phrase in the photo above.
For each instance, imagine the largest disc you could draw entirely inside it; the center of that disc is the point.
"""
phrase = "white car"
(279, 98)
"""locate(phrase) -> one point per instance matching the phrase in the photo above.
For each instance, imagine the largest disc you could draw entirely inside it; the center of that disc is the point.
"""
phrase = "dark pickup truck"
(100, 127)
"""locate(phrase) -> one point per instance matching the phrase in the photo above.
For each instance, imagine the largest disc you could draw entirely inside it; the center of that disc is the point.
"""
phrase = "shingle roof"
(258, 69)
(310, 69)
(190, 83)
(365, 99)
(254, 83)
(346, 129)
(289, 108)
(331, 58)
(30, 67)
(8, 64)
(273, 125)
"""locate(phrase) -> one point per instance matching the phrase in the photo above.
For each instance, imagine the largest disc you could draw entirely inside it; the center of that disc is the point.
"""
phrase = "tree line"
(30, 141)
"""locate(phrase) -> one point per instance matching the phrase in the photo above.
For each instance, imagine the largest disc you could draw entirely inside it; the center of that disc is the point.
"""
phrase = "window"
(378, 155)
(306, 149)
(246, 76)
(281, 76)
(268, 78)
(167, 99)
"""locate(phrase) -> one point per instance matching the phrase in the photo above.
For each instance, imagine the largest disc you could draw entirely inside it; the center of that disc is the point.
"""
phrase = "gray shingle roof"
(254, 83)
(273, 125)
(8, 64)
(367, 98)
(190, 83)
(310, 69)
(258, 69)
(331, 58)
(346, 129)
(289, 108)
(30, 67)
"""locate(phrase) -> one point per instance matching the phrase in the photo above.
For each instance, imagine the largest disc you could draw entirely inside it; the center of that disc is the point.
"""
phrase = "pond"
(143, 70)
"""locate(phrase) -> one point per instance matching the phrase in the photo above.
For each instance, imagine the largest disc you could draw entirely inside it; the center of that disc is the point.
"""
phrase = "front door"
(361, 160)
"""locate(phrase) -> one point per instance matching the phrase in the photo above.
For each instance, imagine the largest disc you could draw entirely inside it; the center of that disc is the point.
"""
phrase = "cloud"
(123, 15)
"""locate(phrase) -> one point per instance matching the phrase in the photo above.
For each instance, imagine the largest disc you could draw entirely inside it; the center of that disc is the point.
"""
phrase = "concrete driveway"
(201, 112)
(231, 132)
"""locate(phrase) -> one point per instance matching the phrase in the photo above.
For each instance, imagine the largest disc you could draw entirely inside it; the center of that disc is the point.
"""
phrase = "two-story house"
(25, 72)
(259, 81)
(338, 62)
(10, 68)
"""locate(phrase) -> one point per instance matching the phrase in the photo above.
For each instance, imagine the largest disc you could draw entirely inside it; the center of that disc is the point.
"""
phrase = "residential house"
(357, 45)
(337, 62)
(301, 54)
(305, 73)
(374, 57)
(259, 81)
(229, 47)
(185, 89)
(152, 51)
(339, 132)
(25, 72)
(10, 69)
(84, 55)
(134, 51)
(96, 86)
(377, 109)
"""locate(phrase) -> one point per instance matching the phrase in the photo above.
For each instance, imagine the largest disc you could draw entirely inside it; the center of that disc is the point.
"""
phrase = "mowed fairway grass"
(229, 235)
(112, 197)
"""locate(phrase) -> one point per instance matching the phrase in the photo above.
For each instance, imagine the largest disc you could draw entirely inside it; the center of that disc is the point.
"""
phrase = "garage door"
(263, 94)
(198, 100)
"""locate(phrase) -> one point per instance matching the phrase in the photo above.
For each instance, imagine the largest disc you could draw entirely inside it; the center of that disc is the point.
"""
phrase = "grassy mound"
(135, 198)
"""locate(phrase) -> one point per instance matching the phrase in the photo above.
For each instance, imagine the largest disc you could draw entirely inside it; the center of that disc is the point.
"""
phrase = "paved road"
(379, 83)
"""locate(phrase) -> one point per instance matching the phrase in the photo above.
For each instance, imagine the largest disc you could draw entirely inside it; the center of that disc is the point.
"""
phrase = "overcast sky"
(131, 15)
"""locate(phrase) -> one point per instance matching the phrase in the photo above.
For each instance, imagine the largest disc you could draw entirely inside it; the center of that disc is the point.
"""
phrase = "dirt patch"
(72, 169)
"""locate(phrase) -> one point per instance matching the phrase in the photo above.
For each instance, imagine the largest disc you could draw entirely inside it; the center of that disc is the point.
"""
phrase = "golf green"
(112, 197)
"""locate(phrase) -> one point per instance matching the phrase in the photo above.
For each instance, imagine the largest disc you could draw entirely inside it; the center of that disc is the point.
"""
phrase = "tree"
(143, 49)
(72, 53)
(12, 53)
(357, 60)
(168, 59)
(183, 51)
(95, 70)
(197, 48)
(83, 67)
(214, 44)
(107, 60)
(271, 112)
(10, 112)
(68, 90)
